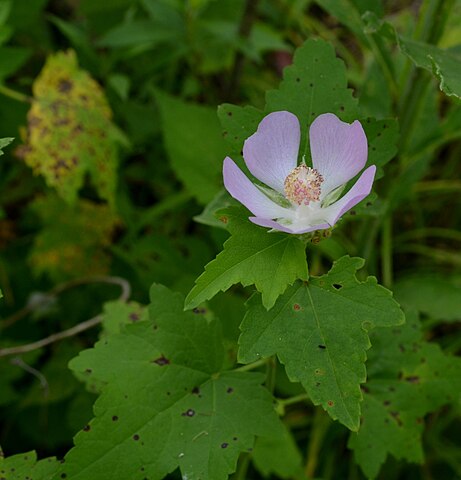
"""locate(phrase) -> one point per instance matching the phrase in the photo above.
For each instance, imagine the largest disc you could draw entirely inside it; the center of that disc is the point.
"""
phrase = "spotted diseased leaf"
(166, 403)
(25, 465)
(251, 256)
(73, 239)
(409, 378)
(70, 132)
(119, 313)
(319, 331)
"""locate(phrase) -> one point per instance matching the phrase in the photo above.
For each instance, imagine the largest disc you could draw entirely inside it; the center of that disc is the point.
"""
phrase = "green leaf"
(194, 143)
(278, 455)
(70, 132)
(138, 32)
(251, 256)
(382, 138)
(25, 465)
(12, 59)
(409, 378)
(319, 332)
(4, 142)
(316, 83)
(437, 296)
(166, 403)
(443, 64)
(118, 313)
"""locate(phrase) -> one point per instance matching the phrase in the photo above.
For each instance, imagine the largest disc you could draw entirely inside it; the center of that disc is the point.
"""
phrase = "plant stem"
(302, 397)
(246, 24)
(20, 97)
(271, 367)
(386, 252)
(252, 366)
(242, 467)
(58, 289)
(319, 428)
(71, 331)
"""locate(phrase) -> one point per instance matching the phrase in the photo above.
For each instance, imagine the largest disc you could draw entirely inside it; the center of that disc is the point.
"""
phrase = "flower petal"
(272, 152)
(246, 192)
(357, 193)
(339, 150)
(262, 222)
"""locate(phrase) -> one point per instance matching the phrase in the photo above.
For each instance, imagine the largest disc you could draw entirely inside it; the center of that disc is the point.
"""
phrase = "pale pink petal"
(272, 152)
(262, 222)
(339, 150)
(357, 193)
(243, 190)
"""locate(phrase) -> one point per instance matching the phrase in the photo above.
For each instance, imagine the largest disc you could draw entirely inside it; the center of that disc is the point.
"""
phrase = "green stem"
(271, 367)
(242, 467)
(252, 366)
(8, 92)
(302, 397)
(386, 252)
(319, 428)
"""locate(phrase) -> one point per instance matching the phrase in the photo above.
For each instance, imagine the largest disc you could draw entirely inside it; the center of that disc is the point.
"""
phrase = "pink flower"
(300, 199)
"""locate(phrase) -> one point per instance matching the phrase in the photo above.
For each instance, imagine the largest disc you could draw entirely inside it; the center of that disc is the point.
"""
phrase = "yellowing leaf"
(72, 240)
(70, 132)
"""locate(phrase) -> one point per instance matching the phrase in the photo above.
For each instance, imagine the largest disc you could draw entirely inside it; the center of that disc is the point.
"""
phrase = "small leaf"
(251, 256)
(444, 65)
(70, 132)
(319, 332)
(165, 402)
(4, 142)
(409, 378)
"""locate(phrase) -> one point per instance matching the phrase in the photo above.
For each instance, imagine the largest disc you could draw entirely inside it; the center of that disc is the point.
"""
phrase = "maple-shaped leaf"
(25, 466)
(409, 378)
(165, 403)
(70, 132)
(319, 331)
(73, 239)
(251, 256)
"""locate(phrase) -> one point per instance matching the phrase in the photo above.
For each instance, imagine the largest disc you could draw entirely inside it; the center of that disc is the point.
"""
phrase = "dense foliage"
(231, 351)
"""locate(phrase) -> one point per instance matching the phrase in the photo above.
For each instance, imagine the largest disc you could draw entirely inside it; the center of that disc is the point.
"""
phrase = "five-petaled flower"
(298, 198)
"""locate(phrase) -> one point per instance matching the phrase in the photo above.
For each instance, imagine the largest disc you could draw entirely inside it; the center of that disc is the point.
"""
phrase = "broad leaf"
(409, 378)
(319, 332)
(194, 143)
(165, 403)
(316, 83)
(25, 466)
(70, 133)
(251, 256)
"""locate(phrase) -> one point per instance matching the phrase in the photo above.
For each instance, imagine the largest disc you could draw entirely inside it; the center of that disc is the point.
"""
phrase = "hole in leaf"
(337, 286)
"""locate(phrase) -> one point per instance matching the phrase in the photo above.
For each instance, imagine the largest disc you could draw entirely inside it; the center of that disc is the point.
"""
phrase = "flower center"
(302, 185)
